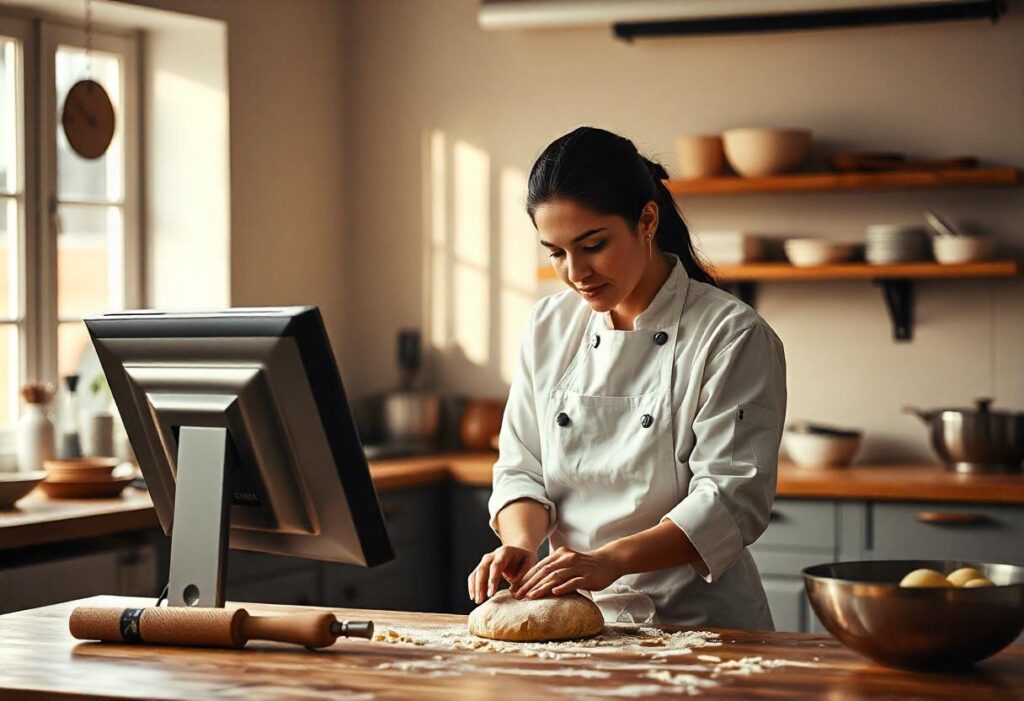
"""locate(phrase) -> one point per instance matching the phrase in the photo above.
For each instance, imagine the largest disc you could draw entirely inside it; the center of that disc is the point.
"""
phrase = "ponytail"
(673, 236)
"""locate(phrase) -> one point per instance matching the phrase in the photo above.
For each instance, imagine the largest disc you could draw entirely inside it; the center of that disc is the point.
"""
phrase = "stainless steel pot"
(411, 417)
(978, 440)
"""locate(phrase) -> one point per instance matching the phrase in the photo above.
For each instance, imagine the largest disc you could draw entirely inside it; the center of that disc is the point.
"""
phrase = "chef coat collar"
(653, 317)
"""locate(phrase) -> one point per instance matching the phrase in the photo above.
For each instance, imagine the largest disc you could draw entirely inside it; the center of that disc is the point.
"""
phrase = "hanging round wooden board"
(88, 119)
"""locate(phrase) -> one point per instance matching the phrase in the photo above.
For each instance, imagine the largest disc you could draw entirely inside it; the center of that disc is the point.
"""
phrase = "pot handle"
(925, 416)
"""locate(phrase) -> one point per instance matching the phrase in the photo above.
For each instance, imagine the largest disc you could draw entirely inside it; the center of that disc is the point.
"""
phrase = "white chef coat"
(680, 418)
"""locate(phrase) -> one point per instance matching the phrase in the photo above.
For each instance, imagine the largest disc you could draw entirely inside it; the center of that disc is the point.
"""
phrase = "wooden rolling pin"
(210, 627)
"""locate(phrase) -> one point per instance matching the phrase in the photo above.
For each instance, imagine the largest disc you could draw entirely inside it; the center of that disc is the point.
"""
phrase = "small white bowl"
(820, 450)
(811, 252)
(700, 156)
(755, 152)
(950, 250)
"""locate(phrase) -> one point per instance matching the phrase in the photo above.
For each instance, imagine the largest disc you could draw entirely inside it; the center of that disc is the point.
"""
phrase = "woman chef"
(642, 428)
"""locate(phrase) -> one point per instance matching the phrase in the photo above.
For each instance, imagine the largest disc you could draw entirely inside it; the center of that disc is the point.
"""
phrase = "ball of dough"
(925, 578)
(963, 575)
(503, 617)
(979, 582)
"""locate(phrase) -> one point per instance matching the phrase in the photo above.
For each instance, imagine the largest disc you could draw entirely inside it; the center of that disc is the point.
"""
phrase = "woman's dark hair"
(605, 173)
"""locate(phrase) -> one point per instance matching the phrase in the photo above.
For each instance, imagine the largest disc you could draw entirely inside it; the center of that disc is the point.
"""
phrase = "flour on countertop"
(657, 648)
(612, 640)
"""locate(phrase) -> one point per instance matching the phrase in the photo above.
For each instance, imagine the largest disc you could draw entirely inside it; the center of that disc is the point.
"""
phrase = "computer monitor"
(241, 426)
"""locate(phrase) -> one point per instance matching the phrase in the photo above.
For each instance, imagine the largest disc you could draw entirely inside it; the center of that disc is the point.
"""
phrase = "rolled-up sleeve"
(518, 473)
(733, 462)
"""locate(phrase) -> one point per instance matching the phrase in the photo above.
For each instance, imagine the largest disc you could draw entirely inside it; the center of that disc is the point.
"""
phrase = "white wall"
(423, 72)
(286, 123)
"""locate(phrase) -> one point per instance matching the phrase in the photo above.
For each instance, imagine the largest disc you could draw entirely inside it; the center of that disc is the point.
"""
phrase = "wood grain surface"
(41, 660)
(37, 520)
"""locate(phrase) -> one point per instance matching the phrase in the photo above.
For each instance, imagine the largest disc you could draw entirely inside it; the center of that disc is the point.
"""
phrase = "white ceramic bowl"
(754, 152)
(820, 450)
(700, 156)
(950, 250)
(811, 252)
(15, 485)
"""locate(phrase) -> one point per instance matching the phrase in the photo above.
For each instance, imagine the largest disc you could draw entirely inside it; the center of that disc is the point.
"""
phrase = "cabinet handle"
(950, 517)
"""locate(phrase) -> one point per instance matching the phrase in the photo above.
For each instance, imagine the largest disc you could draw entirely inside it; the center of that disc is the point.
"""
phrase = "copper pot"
(481, 422)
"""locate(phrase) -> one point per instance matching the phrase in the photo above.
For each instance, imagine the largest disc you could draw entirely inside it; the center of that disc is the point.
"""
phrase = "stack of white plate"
(896, 243)
(729, 247)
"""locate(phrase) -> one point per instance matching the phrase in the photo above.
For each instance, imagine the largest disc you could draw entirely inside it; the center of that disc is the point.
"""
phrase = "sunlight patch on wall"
(471, 294)
(518, 244)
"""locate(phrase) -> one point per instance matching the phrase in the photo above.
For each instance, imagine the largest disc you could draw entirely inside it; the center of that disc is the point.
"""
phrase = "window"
(70, 246)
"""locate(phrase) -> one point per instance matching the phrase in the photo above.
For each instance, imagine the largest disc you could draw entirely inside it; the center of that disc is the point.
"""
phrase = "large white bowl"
(820, 450)
(700, 156)
(811, 252)
(755, 152)
(951, 250)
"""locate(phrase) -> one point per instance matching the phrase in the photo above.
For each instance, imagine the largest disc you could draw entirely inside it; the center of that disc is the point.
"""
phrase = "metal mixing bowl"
(862, 604)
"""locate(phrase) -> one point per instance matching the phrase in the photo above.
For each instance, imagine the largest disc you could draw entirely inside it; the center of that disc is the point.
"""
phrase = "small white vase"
(34, 438)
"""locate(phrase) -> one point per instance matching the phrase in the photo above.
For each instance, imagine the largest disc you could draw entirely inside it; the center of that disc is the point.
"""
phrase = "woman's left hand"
(565, 571)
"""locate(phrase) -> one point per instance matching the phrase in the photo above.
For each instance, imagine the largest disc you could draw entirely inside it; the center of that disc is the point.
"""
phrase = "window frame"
(38, 118)
(51, 36)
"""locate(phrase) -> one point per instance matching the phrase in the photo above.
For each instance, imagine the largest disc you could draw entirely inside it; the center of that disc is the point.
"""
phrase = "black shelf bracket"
(746, 290)
(898, 293)
(899, 300)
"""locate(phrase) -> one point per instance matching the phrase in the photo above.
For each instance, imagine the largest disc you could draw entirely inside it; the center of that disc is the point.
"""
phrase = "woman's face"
(597, 255)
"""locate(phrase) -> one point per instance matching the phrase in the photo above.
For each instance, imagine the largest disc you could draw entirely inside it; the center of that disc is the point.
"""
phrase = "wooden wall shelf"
(760, 272)
(846, 182)
(896, 281)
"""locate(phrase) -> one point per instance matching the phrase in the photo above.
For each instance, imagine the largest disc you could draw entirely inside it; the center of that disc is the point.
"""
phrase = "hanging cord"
(163, 595)
(88, 38)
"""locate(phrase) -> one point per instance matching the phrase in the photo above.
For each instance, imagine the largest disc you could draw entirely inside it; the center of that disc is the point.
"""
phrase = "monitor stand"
(199, 534)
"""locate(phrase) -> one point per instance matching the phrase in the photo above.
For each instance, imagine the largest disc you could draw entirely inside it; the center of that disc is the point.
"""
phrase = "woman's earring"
(650, 247)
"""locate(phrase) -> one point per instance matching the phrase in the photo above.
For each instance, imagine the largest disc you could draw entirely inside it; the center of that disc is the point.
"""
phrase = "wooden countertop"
(42, 660)
(38, 520)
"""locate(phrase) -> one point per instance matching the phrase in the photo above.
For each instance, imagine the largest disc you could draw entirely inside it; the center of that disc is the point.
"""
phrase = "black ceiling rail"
(794, 21)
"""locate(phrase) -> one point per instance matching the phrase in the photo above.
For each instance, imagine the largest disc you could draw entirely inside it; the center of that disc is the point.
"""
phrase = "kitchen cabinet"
(414, 581)
(800, 533)
(48, 576)
(472, 538)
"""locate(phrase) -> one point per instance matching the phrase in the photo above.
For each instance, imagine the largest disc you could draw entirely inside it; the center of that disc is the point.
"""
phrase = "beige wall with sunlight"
(444, 121)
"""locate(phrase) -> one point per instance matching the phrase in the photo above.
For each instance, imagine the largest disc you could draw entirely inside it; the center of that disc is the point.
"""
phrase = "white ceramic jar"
(35, 442)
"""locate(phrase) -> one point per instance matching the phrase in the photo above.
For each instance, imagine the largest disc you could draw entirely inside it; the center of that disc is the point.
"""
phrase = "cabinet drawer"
(412, 515)
(805, 525)
(922, 530)
(414, 581)
(788, 564)
(300, 587)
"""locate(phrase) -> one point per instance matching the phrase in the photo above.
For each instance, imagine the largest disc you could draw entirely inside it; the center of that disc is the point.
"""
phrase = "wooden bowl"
(106, 488)
(762, 152)
(81, 467)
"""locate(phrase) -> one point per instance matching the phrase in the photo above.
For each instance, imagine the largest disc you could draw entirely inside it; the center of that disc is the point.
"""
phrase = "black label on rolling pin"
(130, 625)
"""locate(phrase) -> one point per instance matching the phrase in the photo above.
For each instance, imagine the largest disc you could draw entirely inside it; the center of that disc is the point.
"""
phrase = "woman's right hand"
(508, 561)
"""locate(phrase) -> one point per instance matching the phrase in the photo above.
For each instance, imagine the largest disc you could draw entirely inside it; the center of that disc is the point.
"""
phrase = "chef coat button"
(562, 419)
(597, 340)
(661, 338)
(647, 420)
